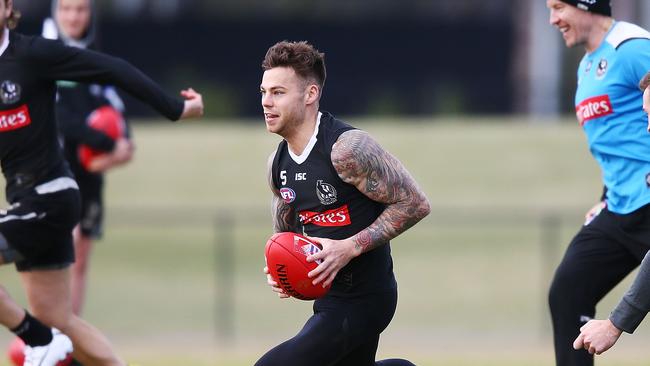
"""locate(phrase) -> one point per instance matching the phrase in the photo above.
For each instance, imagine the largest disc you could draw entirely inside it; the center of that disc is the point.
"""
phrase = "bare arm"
(361, 161)
(281, 213)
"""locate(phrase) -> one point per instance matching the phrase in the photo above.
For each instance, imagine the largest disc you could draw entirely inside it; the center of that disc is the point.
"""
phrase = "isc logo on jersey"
(593, 108)
(335, 217)
(14, 118)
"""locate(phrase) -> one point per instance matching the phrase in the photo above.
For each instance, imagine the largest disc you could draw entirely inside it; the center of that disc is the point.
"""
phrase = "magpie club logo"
(9, 92)
(326, 192)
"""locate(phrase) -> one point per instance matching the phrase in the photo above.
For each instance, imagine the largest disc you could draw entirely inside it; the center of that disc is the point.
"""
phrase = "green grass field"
(507, 197)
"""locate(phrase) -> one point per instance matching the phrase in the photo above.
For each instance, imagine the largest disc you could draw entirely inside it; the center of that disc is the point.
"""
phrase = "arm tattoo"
(283, 216)
(362, 162)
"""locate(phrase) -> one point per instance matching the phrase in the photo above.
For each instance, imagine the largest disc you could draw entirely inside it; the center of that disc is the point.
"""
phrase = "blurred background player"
(73, 22)
(36, 230)
(597, 336)
(336, 171)
(616, 234)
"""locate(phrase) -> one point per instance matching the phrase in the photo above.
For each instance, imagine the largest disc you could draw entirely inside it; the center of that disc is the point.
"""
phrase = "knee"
(562, 287)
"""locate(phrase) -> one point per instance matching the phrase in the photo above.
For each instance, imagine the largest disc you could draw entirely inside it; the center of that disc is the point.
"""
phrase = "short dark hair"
(301, 56)
(14, 17)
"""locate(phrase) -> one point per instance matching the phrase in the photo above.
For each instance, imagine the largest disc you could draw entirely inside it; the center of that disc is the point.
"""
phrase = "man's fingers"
(579, 342)
(270, 281)
(592, 350)
(330, 279)
(320, 278)
(316, 256)
(318, 270)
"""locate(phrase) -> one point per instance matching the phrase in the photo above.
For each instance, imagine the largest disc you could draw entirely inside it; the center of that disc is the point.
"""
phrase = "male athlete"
(597, 336)
(616, 234)
(36, 230)
(73, 22)
(337, 185)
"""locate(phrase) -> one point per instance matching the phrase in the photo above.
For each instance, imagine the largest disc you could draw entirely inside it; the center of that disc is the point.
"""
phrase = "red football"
(107, 120)
(15, 352)
(286, 258)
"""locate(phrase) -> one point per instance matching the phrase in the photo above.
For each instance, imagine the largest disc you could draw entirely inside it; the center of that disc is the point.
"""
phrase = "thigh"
(595, 260)
(341, 330)
(363, 355)
(634, 231)
(318, 343)
(39, 227)
(372, 314)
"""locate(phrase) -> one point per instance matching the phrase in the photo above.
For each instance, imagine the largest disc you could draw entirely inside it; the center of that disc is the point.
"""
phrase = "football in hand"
(286, 258)
(109, 121)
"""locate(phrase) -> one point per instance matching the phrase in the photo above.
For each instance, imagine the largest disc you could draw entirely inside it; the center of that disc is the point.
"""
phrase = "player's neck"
(300, 137)
(598, 33)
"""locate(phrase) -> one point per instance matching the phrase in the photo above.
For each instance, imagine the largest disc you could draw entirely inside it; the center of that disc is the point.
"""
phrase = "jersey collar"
(299, 159)
(4, 43)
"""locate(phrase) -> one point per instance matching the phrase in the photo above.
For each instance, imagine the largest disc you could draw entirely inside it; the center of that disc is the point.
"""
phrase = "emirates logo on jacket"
(14, 119)
(593, 108)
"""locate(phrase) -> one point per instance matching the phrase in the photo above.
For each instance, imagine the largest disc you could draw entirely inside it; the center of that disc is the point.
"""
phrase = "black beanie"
(602, 7)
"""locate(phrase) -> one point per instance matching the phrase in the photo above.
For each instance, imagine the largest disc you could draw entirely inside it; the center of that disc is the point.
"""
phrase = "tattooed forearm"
(283, 216)
(360, 161)
(395, 219)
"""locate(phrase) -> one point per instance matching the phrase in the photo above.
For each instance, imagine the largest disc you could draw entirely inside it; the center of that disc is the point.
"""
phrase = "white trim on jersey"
(5, 41)
(299, 159)
(623, 31)
(49, 29)
(56, 185)
(111, 95)
(28, 216)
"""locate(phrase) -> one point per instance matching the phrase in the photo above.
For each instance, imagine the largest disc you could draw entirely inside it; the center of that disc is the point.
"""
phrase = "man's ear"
(313, 94)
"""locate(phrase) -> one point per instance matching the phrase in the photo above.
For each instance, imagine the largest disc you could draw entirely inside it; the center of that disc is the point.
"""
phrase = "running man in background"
(616, 235)
(36, 230)
(334, 170)
(597, 336)
(74, 23)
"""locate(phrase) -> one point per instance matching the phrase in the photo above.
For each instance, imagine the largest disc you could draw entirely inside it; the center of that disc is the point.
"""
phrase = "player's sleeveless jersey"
(325, 206)
(609, 107)
(29, 68)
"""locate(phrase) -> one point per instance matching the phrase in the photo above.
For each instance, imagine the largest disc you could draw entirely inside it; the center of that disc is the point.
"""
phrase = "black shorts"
(39, 227)
(92, 205)
(342, 332)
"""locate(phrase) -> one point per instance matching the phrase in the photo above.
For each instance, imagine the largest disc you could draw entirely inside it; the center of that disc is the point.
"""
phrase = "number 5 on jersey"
(283, 177)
